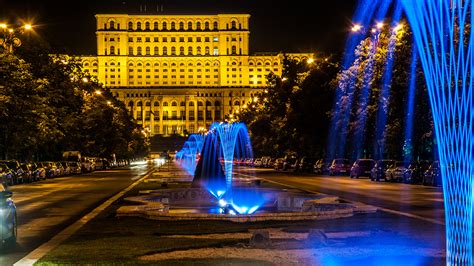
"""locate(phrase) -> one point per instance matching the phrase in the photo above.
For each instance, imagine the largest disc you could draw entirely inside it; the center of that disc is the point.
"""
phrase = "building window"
(139, 26)
(112, 50)
(155, 25)
(233, 25)
(174, 115)
(217, 115)
(190, 50)
(147, 50)
(112, 25)
(173, 26)
(147, 39)
(191, 115)
(208, 115)
(181, 25)
(139, 50)
(165, 50)
(130, 25)
(173, 50)
(165, 26)
(206, 25)
(147, 26)
(155, 50)
(198, 50)
(200, 115)
(234, 50)
(198, 25)
(181, 50)
(216, 39)
(216, 25)
(207, 51)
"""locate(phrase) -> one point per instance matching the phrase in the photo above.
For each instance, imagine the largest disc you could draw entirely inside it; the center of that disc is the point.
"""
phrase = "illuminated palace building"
(180, 73)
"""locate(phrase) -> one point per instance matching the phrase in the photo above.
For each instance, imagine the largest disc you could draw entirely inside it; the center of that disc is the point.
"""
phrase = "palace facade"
(180, 73)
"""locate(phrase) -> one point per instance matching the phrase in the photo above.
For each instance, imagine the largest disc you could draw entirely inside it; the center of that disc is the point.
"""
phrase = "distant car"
(50, 168)
(6, 174)
(39, 172)
(75, 167)
(396, 172)
(289, 162)
(415, 172)
(258, 162)
(8, 217)
(378, 172)
(432, 176)
(28, 175)
(321, 166)
(67, 169)
(17, 172)
(269, 163)
(278, 165)
(340, 167)
(306, 164)
(362, 167)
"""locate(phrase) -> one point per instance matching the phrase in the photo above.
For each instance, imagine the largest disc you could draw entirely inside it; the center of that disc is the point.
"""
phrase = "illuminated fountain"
(189, 154)
(444, 36)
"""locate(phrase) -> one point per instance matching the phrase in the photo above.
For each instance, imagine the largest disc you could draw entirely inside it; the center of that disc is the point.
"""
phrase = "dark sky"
(291, 26)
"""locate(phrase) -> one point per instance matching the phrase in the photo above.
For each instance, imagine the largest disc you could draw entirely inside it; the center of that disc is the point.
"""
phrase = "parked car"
(278, 164)
(67, 169)
(258, 162)
(269, 163)
(415, 172)
(28, 175)
(378, 172)
(17, 172)
(75, 167)
(362, 167)
(321, 166)
(60, 169)
(265, 160)
(432, 176)
(8, 219)
(39, 172)
(306, 164)
(6, 174)
(289, 162)
(51, 169)
(396, 172)
(340, 167)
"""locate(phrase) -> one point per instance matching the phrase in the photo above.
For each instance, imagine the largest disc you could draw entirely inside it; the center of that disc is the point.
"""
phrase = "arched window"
(165, 50)
(216, 25)
(208, 103)
(199, 103)
(139, 50)
(182, 104)
(155, 25)
(190, 25)
(130, 25)
(139, 26)
(191, 103)
(155, 50)
(173, 50)
(156, 104)
(148, 104)
(208, 51)
(112, 50)
(165, 25)
(173, 26)
(112, 25)
(147, 50)
(233, 25)
(130, 104)
(198, 25)
(181, 50)
(217, 103)
(147, 25)
(139, 103)
(181, 25)
(234, 50)
(190, 50)
(174, 104)
(198, 50)
(130, 50)
(165, 104)
(236, 103)
(206, 25)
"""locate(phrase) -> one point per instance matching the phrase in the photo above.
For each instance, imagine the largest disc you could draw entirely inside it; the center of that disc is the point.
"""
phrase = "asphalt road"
(47, 207)
(418, 201)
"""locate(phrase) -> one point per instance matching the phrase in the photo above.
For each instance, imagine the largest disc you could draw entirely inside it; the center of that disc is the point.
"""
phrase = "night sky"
(290, 26)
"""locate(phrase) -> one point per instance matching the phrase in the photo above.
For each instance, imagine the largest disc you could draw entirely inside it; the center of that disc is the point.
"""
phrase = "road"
(417, 201)
(45, 208)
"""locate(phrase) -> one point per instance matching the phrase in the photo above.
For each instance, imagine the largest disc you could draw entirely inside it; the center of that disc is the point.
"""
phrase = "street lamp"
(9, 36)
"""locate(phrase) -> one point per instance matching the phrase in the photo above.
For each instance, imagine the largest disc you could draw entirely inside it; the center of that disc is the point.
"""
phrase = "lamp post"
(9, 36)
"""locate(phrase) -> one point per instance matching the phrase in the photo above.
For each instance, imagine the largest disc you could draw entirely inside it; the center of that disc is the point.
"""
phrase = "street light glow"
(28, 26)
(310, 61)
(10, 30)
(284, 79)
(3, 25)
(398, 27)
(380, 25)
(85, 80)
(356, 28)
(98, 92)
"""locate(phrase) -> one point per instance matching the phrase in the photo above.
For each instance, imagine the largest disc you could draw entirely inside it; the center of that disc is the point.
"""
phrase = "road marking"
(350, 201)
(42, 250)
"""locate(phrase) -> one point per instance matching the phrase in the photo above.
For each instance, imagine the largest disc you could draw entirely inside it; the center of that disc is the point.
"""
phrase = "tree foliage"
(49, 105)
